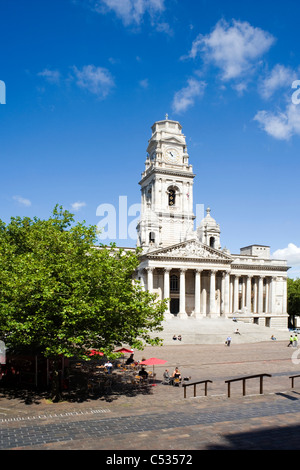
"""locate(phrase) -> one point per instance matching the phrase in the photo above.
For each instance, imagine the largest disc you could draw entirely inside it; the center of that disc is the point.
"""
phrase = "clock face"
(172, 155)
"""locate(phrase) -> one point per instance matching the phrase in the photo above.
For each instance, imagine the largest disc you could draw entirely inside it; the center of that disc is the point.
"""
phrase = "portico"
(215, 292)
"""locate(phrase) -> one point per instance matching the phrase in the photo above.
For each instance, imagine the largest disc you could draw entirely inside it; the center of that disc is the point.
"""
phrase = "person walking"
(228, 341)
(295, 341)
(291, 341)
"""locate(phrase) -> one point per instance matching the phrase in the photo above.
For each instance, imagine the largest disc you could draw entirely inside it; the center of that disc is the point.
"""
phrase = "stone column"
(272, 295)
(150, 279)
(230, 294)
(153, 201)
(255, 296)
(197, 293)
(204, 296)
(248, 294)
(212, 293)
(222, 294)
(226, 300)
(182, 312)
(167, 289)
(267, 300)
(243, 304)
(142, 280)
(260, 294)
(284, 301)
(236, 294)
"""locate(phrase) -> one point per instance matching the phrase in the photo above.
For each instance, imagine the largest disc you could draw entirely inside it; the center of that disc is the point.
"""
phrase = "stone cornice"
(206, 262)
(167, 171)
(259, 267)
(189, 259)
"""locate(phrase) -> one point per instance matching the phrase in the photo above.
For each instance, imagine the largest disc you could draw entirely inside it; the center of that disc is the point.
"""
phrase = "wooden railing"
(261, 376)
(293, 377)
(185, 385)
(243, 379)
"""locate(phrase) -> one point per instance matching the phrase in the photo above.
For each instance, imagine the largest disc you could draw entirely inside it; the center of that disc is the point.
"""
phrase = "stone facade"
(187, 265)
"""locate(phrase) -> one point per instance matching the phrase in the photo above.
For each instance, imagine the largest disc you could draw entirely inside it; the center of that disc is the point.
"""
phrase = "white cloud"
(164, 28)
(130, 11)
(235, 49)
(291, 253)
(96, 80)
(240, 87)
(280, 125)
(76, 206)
(23, 201)
(279, 77)
(52, 76)
(144, 83)
(185, 98)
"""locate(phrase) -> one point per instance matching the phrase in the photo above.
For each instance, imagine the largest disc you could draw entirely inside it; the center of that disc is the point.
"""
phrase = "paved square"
(163, 419)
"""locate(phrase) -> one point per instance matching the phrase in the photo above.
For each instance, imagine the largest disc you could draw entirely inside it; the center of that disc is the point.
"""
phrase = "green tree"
(293, 298)
(60, 294)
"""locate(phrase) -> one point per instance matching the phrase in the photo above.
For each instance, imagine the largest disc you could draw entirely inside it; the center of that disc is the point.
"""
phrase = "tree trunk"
(55, 385)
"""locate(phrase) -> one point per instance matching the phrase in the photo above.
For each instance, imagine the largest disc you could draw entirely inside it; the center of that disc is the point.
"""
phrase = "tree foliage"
(293, 296)
(60, 294)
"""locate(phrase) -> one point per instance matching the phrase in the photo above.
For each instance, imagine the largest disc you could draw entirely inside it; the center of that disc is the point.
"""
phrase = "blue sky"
(86, 79)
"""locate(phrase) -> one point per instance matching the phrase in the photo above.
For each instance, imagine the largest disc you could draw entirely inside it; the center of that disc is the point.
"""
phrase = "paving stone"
(164, 419)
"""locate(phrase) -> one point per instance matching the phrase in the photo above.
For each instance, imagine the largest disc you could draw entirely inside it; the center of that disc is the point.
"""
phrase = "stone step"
(215, 331)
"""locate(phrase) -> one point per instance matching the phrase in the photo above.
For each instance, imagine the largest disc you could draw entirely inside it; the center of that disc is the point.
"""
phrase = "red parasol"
(152, 362)
(96, 353)
(124, 350)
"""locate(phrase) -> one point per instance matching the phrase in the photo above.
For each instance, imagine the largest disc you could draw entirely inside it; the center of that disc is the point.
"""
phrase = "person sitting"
(237, 332)
(167, 378)
(176, 376)
(174, 337)
(130, 360)
(179, 337)
(108, 366)
(143, 373)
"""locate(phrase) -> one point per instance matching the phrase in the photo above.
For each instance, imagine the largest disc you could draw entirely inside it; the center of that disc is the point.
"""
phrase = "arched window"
(174, 283)
(151, 237)
(212, 242)
(172, 197)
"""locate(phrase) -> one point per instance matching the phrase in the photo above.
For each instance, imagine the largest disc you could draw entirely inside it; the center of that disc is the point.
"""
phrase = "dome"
(208, 221)
(208, 231)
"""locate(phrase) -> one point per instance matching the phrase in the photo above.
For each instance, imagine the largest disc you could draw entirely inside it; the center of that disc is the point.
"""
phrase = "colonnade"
(218, 291)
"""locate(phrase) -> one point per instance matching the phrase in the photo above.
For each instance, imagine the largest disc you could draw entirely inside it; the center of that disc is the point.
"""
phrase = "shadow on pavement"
(281, 438)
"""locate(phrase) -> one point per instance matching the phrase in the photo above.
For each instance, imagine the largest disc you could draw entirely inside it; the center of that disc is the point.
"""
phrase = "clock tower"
(166, 189)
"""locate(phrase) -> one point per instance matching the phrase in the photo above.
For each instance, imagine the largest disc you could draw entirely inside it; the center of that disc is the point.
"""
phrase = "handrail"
(244, 382)
(293, 377)
(196, 383)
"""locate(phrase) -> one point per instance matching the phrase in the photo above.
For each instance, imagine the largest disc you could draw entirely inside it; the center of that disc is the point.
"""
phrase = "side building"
(188, 265)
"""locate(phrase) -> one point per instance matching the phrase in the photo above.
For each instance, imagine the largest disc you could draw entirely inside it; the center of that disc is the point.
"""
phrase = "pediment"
(191, 249)
(173, 140)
